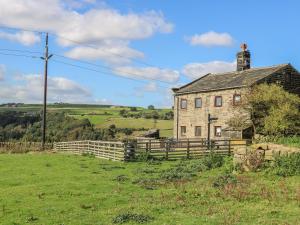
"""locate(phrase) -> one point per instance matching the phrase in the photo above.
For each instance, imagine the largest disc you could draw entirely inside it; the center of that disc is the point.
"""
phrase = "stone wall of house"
(287, 77)
(192, 117)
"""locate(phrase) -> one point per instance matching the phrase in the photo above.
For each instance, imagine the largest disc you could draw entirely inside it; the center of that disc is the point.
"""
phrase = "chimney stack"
(243, 58)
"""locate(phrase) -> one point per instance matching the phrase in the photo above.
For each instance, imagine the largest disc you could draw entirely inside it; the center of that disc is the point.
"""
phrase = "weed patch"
(121, 178)
(286, 165)
(223, 180)
(132, 217)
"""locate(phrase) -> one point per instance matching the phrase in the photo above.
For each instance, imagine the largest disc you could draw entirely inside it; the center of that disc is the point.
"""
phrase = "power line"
(102, 72)
(22, 29)
(96, 48)
(19, 55)
(109, 68)
(19, 50)
(88, 63)
(84, 44)
(82, 67)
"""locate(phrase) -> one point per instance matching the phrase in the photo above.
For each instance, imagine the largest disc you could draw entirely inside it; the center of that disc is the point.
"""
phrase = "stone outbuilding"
(215, 96)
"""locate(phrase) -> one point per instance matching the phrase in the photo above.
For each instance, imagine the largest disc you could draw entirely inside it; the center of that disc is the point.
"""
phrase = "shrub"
(286, 165)
(144, 156)
(213, 161)
(188, 169)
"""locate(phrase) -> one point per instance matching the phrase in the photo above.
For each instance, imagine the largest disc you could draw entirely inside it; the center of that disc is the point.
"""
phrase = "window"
(236, 99)
(198, 131)
(198, 102)
(218, 101)
(218, 131)
(183, 130)
(183, 103)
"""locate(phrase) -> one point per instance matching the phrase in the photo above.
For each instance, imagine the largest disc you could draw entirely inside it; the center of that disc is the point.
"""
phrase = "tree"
(133, 109)
(271, 109)
(151, 107)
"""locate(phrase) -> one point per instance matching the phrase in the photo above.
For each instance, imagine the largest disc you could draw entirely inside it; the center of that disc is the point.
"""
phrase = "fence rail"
(186, 148)
(101, 149)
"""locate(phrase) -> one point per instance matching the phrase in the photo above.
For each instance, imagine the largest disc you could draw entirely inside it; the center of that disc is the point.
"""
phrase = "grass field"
(65, 189)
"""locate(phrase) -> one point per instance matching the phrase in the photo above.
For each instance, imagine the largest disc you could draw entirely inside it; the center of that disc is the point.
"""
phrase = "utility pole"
(44, 125)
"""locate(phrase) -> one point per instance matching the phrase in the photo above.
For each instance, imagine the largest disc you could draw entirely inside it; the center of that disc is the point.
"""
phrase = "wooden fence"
(188, 148)
(100, 149)
(160, 149)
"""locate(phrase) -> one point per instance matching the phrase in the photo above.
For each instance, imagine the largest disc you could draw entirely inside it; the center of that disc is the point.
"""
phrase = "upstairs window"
(183, 130)
(198, 103)
(183, 103)
(197, 131)
(218, 101)
(218, 131)
(237, 99)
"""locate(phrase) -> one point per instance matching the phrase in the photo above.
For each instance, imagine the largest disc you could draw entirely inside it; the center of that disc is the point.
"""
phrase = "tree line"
(19, 126)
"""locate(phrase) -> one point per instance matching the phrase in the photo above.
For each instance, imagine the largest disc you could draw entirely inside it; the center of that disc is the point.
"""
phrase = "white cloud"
(197, 70)
(211, 38)
(103, 101)
(24, 37)
(29, 89)
(150, 87)
(2, 72)
(78, 4)
(117, 54)
(91, 26)
(151, 73)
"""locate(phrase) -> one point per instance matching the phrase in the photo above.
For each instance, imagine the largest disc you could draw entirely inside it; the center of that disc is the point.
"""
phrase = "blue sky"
(135, 43)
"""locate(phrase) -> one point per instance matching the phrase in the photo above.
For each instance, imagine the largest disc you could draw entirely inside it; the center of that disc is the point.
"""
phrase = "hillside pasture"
(70, 190)
(104, 116)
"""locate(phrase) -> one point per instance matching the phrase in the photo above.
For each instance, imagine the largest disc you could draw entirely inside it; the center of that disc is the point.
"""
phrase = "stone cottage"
(208, 103)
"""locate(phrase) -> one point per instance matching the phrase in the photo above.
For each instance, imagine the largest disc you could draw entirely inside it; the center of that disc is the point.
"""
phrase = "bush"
(213, 161)
(144, 156)
(286, 165)
(188, 169)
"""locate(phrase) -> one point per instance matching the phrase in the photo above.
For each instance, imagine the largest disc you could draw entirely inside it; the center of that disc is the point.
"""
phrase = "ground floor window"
(197, 131)
(218, 131)
(183, 130)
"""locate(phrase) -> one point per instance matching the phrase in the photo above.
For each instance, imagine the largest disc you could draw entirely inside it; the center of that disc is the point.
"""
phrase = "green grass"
(290, 141)
(66, 189)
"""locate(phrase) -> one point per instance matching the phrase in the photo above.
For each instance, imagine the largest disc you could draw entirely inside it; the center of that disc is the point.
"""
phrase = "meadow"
(44, 188)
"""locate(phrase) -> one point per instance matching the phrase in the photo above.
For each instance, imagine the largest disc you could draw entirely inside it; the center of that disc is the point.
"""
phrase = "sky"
(132, 52)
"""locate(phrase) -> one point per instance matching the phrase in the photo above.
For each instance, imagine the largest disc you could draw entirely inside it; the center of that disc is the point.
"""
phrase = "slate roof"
(229, 80)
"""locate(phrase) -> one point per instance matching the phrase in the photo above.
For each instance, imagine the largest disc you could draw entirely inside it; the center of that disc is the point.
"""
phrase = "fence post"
(188, 149)
(229, 147)
(129, 151)
(167, 150)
